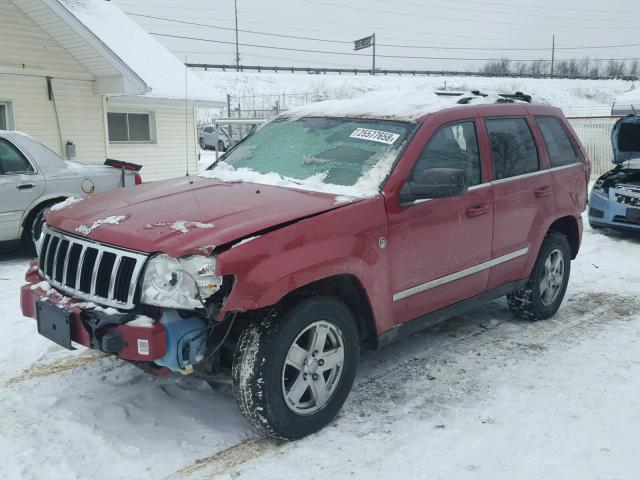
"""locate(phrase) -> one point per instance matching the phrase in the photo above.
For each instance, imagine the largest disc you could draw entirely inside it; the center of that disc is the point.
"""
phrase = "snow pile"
(141, 321)
(181, 226)
(398, 104)
(367, 185)
(65, 203)
(112, 220)
(575, 97)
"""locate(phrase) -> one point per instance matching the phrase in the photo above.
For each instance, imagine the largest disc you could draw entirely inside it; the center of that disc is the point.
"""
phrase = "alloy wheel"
(552, 277)
(313, 368)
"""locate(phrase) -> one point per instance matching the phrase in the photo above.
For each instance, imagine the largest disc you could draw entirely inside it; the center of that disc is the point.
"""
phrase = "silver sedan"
(33, 178)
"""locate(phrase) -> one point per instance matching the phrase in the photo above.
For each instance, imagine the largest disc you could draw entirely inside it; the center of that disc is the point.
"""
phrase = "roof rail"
(468, 97)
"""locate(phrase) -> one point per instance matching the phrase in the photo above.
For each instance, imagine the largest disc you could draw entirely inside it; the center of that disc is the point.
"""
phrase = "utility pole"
(235, 4)
(373, 69)
(553, 53)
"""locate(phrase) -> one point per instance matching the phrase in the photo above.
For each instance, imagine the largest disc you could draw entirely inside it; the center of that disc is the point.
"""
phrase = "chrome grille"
(89, 270)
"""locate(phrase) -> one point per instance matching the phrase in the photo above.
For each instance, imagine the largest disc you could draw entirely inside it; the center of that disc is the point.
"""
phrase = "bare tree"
(585, 66)
(520, 68)
(594, 71)
(499, 67)
(538, 68)
(615, 68)
(634, 67)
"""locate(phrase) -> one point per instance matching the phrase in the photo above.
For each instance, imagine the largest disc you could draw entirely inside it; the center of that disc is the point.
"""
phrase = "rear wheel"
(221, 146)
(293, 371)
(542, 295)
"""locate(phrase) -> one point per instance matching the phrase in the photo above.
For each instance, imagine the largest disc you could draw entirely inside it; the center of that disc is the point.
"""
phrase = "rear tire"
(293, 371)
(542, 295)
(221, 146)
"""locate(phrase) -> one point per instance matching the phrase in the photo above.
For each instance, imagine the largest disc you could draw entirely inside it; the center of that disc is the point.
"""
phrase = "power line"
(372, 27)
(364, 54)
(494, 12)
(207, 25)
(454, 19)
(240, 30)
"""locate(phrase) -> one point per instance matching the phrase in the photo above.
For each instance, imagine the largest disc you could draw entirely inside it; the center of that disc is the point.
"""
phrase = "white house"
(82, 72)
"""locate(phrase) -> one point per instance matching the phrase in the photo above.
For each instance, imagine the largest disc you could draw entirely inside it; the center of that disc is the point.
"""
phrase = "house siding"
(79, 108)
(79, 111)
(168, 156)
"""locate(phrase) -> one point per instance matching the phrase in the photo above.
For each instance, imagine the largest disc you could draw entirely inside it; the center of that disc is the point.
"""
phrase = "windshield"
(335, 155)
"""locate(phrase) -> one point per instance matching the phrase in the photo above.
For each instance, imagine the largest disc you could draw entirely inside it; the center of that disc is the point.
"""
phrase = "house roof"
(126, 60)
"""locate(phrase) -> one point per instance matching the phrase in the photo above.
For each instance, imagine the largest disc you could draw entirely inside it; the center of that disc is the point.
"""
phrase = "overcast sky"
(467, 24)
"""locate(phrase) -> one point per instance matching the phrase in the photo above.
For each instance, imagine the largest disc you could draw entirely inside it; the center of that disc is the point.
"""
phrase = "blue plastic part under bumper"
(610, 213)
(186, 341)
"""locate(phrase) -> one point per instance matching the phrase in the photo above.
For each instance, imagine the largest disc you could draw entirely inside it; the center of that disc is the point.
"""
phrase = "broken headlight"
(184, 283)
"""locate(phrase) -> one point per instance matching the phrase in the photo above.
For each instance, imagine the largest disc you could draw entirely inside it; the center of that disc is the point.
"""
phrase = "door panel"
(434, 244)
(432, 240)
(523, 197)
(20, 187)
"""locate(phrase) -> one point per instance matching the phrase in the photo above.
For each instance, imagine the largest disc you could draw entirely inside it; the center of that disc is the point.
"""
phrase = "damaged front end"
(615, 198)
(154, 310)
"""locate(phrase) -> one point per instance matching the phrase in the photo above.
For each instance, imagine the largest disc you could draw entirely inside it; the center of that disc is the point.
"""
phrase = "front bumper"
(605, 211)
(96, 328)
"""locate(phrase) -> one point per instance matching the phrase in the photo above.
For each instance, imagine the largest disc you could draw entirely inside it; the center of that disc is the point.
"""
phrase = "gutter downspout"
(52, 98)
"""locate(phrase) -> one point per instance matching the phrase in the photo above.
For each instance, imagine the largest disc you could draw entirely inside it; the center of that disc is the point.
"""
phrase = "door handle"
(25, 186)
(478, 210)
(543, 191)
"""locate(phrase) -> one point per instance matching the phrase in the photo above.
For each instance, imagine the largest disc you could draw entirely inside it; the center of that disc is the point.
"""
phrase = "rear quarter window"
(559, 146)
(513, 149)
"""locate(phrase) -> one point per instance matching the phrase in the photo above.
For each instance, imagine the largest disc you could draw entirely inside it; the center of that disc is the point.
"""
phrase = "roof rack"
(467, 98)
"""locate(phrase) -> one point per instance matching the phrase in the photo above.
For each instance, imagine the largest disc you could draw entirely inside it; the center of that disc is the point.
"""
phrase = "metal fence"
(595, 135)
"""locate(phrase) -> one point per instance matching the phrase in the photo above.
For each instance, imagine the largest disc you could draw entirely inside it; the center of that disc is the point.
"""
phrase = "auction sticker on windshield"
(375, 135)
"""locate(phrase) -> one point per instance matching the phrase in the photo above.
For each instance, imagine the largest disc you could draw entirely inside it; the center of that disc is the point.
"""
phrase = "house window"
(131, 127)
(6, 116)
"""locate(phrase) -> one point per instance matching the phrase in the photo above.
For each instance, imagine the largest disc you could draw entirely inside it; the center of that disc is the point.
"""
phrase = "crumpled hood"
(625, 139)
(186, 216)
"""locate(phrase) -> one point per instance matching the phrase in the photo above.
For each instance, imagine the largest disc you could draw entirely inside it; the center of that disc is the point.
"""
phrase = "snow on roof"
(163, 73)
(403, 104)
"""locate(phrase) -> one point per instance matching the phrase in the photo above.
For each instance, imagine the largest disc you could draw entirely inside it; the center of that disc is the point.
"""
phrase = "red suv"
(328, 229)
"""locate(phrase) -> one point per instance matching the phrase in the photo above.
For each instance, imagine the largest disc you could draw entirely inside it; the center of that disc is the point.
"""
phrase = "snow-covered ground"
(480, 396)
(575, 97)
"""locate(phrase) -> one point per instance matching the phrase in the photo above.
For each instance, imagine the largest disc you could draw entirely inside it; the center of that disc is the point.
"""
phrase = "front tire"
(33, 227)
(293, 371)
(542, 295)
(203, 144)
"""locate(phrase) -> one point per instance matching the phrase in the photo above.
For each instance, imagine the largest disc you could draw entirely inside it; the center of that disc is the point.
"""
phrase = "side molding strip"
(458, 275)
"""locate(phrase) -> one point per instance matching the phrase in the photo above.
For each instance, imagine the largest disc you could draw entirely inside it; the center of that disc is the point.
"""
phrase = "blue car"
(614, 201)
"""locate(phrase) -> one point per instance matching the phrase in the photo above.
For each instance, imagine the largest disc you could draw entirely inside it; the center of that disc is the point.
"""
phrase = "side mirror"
(434, 183)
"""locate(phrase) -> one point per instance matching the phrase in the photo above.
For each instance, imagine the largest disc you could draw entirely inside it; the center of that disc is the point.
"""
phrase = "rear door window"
(453, 146)
(561, 150)
(513, 149)
(11, 160)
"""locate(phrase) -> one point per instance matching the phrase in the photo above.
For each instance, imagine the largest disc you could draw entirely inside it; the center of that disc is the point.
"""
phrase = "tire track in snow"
(229, 458)
(48, 369)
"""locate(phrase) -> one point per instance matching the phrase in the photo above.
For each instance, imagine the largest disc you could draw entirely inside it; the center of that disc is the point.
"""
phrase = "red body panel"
(305, 236)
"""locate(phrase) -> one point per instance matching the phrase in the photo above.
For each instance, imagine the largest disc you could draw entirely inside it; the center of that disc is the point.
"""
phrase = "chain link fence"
(595, 135)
